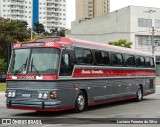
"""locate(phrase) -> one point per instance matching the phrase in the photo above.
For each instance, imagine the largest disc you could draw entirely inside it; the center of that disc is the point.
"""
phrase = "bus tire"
(80, 102)
(139, 94)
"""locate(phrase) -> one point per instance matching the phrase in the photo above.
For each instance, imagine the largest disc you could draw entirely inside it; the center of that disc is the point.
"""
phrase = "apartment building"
(51, 13)
(88, 9)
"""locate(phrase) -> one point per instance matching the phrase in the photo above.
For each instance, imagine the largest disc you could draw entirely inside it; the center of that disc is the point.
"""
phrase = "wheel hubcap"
(81, 102)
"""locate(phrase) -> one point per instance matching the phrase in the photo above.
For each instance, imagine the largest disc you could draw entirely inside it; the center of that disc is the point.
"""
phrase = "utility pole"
(150, 11)
(153, 46)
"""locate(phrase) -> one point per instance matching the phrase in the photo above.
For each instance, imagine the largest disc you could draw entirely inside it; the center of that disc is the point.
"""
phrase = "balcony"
(17, 3)
(16, 13)
(49, 5)
(49, 10)
(49, 1)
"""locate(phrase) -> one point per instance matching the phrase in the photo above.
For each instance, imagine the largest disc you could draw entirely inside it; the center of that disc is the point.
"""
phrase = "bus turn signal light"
(53, 95)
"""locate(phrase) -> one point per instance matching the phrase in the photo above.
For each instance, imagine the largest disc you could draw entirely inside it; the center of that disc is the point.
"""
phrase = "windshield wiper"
(33, 66)
(22, 67)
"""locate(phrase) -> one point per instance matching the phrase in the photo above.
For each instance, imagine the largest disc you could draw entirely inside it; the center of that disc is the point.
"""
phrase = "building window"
(158, 60)
(144, 22)
(143, 40)
(157, 23)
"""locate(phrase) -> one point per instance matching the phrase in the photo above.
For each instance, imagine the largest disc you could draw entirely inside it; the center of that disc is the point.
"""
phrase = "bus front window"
(34, 61)
(44, 61)
(19, 61)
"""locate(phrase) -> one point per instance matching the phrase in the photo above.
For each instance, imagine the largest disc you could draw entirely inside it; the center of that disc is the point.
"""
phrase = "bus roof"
(100, 46)
(92, 45)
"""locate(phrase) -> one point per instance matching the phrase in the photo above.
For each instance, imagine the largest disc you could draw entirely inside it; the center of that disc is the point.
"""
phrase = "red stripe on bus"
(109, 73)
(45, 110)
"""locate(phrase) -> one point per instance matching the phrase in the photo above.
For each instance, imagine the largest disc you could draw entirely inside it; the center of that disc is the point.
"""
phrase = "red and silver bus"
(58, 73)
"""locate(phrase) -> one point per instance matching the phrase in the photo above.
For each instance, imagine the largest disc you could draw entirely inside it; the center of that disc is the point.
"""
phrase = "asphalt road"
(148, 108)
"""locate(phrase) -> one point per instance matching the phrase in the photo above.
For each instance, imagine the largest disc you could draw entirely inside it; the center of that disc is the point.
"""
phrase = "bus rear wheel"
(139, 95)
(80, 103)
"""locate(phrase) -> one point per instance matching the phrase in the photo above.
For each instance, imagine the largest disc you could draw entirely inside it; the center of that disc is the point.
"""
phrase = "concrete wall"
(110, 27)
(120, 24)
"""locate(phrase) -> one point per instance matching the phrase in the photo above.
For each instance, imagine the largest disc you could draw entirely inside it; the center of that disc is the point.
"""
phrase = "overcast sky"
(114, 5)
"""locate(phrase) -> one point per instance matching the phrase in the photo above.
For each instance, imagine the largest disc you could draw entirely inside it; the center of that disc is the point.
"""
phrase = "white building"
(51, 13)
(133, 23)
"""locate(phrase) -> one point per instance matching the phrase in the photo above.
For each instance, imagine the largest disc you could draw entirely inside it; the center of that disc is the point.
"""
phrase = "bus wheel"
(139, 96)
(80, 102)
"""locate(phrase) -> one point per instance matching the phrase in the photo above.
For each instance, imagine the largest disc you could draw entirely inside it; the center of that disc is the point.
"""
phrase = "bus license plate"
(26, 95)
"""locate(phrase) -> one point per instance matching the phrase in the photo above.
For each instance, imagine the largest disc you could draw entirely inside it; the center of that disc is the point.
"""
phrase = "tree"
(10, 32)
(38, 28)
(58, 32)
(121, 43)
(61, 32)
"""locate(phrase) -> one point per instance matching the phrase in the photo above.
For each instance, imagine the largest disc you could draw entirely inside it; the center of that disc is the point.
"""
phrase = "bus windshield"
(34, 61)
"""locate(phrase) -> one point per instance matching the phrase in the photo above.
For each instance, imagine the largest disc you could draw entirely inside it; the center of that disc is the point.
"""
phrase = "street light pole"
(153, 46)
(150, 25)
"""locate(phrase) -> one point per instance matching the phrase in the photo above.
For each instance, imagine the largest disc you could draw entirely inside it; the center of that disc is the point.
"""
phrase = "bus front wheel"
(80, 102)
(139, 95)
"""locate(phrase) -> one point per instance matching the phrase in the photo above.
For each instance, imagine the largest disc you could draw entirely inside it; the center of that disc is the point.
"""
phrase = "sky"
(114, 5)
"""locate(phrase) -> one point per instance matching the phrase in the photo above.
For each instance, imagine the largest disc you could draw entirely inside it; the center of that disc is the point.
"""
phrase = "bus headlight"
(42, 95)
(45, 96)
(11, 94)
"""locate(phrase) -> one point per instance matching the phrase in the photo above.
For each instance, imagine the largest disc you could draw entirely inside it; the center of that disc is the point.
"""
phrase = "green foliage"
(121, 43)
(2, 86)
(38, 28)
(10, 32)
(3, 66)
(58, 32)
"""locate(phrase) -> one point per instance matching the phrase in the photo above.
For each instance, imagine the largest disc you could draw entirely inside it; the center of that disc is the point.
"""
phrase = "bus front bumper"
(33, 105)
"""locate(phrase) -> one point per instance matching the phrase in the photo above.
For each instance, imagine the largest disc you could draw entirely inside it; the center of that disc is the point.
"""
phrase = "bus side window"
(116, 59)
(152, 62)
(148, 64)
(83, 56)
(102, 58)
(140, 61)
(129, 60)
(66, 66)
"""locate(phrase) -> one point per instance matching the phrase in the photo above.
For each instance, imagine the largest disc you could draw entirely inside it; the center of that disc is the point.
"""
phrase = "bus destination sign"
(32, 44)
